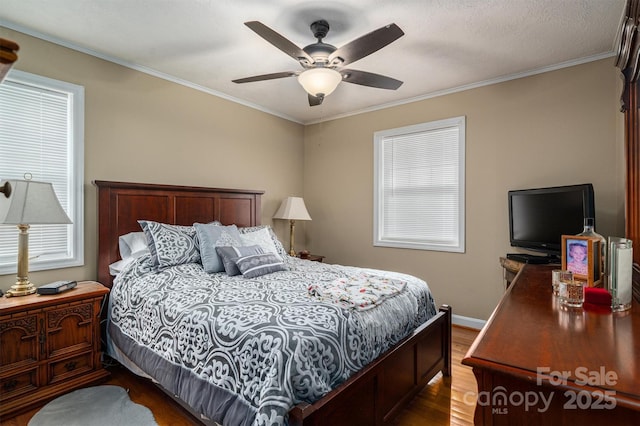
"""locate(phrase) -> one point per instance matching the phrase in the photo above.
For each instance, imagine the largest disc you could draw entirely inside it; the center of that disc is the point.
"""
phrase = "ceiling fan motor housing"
(320, 52)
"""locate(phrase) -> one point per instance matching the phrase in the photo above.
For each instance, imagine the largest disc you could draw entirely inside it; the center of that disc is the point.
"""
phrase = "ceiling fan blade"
(315, 100)
(279, 41)
(370, 79)
(366, 45)
(265, 77)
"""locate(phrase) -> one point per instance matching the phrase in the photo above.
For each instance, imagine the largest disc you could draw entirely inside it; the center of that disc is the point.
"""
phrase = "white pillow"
(261, 238)
(117, 267)
(133, 244)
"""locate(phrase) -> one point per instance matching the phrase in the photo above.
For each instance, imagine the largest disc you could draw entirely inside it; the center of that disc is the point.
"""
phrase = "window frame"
(75, 176)
(379, 138)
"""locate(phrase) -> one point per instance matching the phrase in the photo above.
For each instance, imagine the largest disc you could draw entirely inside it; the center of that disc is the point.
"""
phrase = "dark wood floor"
(450, 400)
(445, 401)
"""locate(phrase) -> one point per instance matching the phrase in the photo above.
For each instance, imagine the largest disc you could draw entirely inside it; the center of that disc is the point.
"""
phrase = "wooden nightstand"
(312, 257)
(49, 345)
(511, 269)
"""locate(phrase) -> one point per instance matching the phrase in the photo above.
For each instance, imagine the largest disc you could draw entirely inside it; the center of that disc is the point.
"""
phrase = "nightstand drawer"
(69, 367)
(19, 338)
(69, 329)
(23, 382)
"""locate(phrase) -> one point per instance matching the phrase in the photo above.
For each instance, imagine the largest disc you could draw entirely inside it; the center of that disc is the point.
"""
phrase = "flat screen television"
(538, 217)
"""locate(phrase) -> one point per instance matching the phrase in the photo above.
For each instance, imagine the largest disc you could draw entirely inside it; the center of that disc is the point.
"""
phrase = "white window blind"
(419, 186)
(41, 134)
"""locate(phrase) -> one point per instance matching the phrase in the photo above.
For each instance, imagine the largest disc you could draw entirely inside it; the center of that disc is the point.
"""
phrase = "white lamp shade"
(292, 208)
(31, 203)
(320, 81)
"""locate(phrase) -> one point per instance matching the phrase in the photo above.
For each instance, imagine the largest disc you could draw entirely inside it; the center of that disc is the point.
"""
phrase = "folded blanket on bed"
(359, 292)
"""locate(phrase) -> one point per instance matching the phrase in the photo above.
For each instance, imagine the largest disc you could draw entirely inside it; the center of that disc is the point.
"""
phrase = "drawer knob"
(71, 365)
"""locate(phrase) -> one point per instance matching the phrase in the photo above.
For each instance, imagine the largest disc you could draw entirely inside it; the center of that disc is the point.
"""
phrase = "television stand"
(532, 258)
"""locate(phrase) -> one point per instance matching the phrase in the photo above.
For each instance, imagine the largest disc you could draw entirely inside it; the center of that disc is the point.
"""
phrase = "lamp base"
(21, 288)
(292, 225)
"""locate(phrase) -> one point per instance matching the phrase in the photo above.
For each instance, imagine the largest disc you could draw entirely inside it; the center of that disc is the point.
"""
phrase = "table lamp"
(292, 209)
(24, 203)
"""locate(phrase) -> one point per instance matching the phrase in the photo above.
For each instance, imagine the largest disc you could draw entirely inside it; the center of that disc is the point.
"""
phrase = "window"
(419, 186)
(42, 134)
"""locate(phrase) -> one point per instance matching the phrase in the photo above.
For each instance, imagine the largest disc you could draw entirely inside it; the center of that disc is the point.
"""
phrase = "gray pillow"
(170, 245)
(256, 265)
(210, 236)
(230, 254)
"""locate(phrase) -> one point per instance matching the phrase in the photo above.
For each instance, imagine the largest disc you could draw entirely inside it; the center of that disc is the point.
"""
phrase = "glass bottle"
(589, 231)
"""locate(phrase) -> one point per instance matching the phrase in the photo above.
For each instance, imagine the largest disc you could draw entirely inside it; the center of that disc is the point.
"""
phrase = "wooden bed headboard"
(122, 204)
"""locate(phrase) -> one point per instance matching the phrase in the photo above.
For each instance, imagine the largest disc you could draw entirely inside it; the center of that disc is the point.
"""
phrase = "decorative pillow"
(256, 265)
(132, 243)
(212, 235)
(170, 245)
(230, 254)
(274, 238)
(262, 238)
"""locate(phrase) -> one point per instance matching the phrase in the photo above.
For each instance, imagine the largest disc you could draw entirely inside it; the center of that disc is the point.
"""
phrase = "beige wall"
(144, 129)
(557, 128)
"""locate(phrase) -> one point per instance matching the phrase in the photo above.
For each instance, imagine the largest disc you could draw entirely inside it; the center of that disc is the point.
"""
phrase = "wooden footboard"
(377, 393)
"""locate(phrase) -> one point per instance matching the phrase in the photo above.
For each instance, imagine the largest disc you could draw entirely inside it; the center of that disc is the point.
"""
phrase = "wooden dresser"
(537, 362)
(49, 345)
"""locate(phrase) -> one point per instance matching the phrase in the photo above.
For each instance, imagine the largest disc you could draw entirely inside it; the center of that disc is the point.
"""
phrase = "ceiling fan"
(323, 62)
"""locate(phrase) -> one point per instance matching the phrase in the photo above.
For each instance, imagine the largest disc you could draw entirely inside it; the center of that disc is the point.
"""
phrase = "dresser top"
(84, 290)
(529, 330)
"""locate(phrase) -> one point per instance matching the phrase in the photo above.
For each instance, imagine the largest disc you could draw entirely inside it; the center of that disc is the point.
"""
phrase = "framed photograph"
(581, 255)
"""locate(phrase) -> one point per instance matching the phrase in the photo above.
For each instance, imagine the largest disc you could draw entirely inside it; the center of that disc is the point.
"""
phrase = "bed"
(369, 394)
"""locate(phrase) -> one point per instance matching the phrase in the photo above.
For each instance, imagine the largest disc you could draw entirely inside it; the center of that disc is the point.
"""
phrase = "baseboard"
(468, 322)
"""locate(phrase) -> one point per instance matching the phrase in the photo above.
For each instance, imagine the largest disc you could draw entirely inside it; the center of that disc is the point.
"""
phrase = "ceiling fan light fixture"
(320, 81)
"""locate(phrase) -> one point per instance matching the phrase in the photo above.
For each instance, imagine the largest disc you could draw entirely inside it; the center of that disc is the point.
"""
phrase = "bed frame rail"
(379, 392)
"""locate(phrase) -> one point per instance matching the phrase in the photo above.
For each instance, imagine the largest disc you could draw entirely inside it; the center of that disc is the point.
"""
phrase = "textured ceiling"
(448, 44)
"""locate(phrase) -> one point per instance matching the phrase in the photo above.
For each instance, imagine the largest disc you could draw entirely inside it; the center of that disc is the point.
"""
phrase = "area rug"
(94, 406)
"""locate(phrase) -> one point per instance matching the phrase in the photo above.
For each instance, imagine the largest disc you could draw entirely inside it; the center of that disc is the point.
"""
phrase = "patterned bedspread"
(245, 351)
